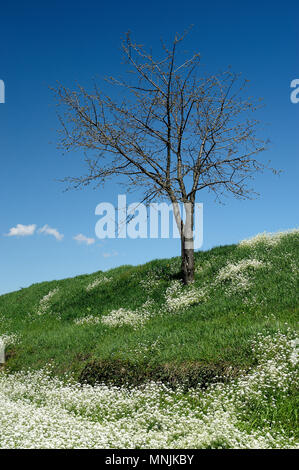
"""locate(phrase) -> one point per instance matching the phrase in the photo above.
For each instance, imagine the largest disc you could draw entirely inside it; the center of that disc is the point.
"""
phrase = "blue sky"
(42, 42)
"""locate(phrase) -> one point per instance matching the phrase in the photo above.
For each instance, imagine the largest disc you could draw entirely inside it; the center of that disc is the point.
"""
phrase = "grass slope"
(235, 324)
(210, 324)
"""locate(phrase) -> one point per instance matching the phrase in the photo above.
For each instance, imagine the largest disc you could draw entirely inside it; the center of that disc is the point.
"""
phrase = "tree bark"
(187, 240)
(187, 255)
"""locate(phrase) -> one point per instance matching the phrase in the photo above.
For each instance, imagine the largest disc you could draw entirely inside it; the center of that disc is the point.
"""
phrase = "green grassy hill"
(212, 364)
(141, 316)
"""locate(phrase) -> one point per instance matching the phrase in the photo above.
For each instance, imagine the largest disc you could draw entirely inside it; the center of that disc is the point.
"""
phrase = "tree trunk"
(187, 240)
(187, 255)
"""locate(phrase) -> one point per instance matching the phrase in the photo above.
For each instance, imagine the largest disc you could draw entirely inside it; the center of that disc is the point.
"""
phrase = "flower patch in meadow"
(97, 282)
(178, 296)
(267, 238)
(149, 283)
(45, 302)
(124, 316)
(88, 320)
(238, 276)
(9, 339)
(38, 411)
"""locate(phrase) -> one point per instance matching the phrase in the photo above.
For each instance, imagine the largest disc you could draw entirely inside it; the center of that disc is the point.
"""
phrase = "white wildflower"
(37, 411)
(177, 297)
(9, 339)
(97, 282)
(267, 238)
(238, 274)
(150, 283)
(88, 320)
(124, 316)
(45, 302)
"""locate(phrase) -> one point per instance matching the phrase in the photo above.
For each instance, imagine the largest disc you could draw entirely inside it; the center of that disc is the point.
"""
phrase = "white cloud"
(21, 230)
(108, 255)
(51, 231)
(80, 238)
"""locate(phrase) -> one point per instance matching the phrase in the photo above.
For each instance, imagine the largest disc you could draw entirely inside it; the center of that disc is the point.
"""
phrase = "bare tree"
(173, 135)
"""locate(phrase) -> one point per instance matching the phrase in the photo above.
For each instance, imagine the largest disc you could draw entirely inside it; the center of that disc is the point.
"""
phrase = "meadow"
(131, 358)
